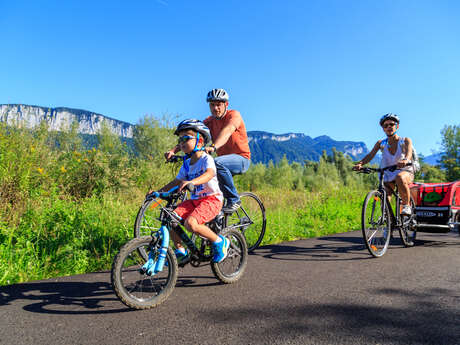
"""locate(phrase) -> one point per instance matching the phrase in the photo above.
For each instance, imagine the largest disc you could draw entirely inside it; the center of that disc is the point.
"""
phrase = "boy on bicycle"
(205, 203)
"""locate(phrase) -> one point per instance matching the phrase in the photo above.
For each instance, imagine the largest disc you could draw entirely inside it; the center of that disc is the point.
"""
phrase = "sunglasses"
(389, 125)
(185, 138)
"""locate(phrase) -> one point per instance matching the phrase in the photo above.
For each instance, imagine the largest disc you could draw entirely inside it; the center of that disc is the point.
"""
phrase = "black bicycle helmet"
(389, 116)
(195, 125)
(219, 95)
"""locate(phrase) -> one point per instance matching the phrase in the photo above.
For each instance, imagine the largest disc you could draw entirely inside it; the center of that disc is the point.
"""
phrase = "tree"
(108, 141)
(450, 159)
(152, 137)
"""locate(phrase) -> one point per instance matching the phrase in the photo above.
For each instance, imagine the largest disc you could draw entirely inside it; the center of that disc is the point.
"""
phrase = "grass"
(62, 237)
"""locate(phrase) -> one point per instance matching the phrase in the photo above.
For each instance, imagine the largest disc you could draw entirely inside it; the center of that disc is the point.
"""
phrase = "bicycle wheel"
(148, 218)
(233, 266)
(249, 219)
(408, 229)
(135, 288)
(376, 226)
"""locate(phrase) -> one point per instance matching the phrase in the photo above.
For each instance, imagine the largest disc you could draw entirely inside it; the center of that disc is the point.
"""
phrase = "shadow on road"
(71, 297)
(422, 317)
(330, 248)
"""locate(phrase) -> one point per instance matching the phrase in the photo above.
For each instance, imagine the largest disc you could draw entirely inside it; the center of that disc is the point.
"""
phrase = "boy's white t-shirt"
(188, 172)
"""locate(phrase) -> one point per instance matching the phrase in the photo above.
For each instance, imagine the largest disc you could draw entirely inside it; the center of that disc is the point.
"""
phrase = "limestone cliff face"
(61, 118)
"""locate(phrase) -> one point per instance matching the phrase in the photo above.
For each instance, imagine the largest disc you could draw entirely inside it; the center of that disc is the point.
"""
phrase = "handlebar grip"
(190, 187)
(174, 159)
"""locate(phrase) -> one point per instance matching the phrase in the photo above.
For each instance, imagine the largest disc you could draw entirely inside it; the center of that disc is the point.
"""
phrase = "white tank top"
(389, 159)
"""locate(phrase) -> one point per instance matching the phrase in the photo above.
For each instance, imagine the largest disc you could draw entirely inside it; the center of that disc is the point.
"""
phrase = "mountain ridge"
(265, 146)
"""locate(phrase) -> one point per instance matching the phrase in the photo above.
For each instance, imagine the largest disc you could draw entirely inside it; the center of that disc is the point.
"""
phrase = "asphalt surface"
(325, 290)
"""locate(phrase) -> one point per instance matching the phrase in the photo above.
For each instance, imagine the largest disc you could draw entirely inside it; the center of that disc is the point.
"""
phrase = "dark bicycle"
(250, 218)
(144, 272)
(380, 217)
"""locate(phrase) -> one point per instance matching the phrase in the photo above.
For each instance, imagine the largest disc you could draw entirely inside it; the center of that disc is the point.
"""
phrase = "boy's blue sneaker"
(181, 255)
(220, 250)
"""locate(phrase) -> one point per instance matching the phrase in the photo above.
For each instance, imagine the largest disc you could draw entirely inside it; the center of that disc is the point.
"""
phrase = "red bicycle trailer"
(437, 206)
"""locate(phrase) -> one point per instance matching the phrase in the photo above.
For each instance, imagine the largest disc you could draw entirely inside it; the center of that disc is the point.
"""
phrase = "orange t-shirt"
(238, 141)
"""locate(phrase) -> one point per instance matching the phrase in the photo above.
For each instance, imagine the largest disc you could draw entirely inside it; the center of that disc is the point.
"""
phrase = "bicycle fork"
(155, 264)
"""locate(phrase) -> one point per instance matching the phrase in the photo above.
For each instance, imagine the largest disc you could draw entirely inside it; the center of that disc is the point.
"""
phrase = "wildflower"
(40, 170)
(78, 160)
(86, 160)
(32, 149)
(63, 169)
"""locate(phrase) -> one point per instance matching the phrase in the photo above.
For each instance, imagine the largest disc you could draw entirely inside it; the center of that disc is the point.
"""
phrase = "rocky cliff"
(61, 118)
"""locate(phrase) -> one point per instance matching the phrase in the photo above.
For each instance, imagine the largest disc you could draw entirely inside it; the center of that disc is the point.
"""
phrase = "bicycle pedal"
(184, 262)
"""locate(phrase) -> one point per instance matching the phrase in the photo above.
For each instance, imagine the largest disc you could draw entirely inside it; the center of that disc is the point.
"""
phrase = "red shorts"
(203, 210)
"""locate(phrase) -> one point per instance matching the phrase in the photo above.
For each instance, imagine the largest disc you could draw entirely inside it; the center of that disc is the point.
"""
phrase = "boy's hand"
(187, 185)
(169, 154)
(152, 193)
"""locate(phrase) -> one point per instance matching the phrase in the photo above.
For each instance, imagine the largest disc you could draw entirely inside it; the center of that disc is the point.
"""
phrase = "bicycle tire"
(147, 221)
(136, 289)
(250, 219)
(376, 225)
(233, 266)
(408, 230)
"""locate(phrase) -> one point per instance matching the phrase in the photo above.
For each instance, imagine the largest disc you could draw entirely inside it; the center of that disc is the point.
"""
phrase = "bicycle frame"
(172, 222)
(394, 214)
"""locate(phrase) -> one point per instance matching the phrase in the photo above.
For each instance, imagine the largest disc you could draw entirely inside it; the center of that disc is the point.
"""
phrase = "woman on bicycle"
(395, 151)
(206, 200)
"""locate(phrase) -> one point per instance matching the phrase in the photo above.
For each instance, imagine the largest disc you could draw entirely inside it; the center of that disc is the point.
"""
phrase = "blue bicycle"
(144, 272)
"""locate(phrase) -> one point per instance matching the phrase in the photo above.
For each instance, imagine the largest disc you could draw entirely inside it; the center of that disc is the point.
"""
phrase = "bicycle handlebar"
(175, 159)
(173, 192)
(368, 170)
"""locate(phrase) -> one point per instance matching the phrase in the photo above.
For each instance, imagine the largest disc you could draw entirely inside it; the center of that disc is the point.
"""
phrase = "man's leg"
(227, 166)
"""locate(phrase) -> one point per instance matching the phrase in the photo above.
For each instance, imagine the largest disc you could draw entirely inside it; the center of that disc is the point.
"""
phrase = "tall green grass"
(65, 209)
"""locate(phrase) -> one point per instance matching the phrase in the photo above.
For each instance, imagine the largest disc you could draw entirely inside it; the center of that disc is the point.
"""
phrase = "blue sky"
(315, 67)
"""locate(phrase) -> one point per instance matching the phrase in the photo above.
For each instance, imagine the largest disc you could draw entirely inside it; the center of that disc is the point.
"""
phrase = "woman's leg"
(403, 180)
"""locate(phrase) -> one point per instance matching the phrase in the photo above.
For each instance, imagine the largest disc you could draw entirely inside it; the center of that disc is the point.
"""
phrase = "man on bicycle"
(395, 151)
(230, 142)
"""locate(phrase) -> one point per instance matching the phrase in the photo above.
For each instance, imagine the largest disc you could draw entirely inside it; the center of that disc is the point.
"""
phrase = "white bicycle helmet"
(219, 95)
(389, 116)
(195, 125)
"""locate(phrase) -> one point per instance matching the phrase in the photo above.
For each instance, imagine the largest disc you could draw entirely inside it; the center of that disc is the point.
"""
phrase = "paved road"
(326, 290)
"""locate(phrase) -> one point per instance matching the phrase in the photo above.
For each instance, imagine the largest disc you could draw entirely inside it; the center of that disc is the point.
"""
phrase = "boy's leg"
(176, 239)
(220, 244)
(191, 224)
(206, 210)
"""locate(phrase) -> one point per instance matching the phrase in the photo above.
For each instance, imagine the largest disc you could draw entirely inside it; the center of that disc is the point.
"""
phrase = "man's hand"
(357, 167)
(210, 149)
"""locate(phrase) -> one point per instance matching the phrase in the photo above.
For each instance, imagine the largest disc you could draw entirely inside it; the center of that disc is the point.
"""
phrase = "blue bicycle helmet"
(219, 95)
(389, 116)
(197, 126)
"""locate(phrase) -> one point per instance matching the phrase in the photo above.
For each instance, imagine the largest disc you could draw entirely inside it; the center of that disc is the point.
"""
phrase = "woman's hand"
(402, 163)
